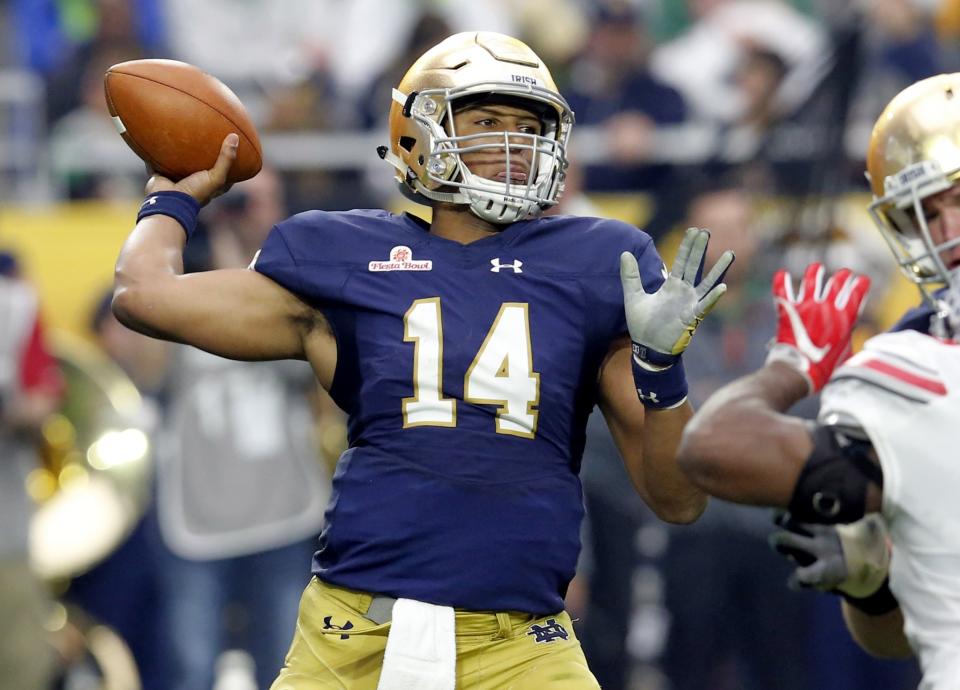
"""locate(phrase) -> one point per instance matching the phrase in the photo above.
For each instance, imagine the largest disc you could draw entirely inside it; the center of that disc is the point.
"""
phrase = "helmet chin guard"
(427, 151)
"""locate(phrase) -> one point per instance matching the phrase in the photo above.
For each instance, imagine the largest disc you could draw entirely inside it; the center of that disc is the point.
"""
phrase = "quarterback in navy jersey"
(468, 353)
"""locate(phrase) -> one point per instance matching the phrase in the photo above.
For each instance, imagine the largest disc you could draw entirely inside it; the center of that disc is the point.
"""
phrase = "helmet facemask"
(428, 152)
(913, 156)
(535, 163)
(902, 221)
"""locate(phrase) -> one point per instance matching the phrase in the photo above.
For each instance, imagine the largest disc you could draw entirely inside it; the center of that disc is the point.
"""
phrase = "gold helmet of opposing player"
(914, 154)
(426, 149)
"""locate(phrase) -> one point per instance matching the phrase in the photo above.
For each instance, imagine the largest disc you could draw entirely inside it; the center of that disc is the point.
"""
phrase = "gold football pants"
(336, 647)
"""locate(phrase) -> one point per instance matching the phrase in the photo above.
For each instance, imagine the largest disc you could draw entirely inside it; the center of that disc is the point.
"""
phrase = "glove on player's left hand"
(662, 323)
(853, 559)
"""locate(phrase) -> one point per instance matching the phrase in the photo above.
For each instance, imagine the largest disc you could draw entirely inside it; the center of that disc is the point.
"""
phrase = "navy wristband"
(662, 389)
(180, 206)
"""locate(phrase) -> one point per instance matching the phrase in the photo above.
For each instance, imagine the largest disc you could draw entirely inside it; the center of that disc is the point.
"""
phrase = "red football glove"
(814, 328)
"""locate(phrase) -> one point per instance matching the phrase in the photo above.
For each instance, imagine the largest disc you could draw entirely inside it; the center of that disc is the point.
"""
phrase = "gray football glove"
(662, 323)
(853, 559)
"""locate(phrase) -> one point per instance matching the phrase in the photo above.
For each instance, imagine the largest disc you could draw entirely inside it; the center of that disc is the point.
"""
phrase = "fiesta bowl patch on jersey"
(401, 259)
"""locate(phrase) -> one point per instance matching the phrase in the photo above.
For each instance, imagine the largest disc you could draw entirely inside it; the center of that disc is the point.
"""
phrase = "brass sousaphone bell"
(91, 488)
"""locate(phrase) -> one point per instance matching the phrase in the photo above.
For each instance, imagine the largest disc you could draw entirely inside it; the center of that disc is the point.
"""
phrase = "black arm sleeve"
(832, 487)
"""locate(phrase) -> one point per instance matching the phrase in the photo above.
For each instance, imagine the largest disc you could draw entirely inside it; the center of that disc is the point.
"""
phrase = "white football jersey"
(903, 390)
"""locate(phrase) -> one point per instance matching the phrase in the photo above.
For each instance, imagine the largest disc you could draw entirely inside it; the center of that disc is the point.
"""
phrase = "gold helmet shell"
(921, 124)
(914, 153)
(425, 149)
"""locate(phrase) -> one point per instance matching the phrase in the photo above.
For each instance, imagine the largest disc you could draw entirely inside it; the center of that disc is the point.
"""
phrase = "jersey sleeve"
(882, 390)
(303, 255)
(652, 271)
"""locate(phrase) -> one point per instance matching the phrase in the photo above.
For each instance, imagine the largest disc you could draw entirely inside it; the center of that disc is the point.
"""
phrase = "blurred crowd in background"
(749, 117)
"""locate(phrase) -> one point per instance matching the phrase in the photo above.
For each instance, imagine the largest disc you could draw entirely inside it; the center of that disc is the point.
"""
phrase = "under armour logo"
(327, 625)
(651, 396)
(497, 265)
(548, 632)
(149, 202)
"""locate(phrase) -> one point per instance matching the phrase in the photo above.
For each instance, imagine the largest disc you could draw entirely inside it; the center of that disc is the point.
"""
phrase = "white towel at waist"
(421, 648)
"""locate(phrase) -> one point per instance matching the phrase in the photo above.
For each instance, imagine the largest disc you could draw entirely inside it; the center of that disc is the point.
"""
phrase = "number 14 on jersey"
(501, 372)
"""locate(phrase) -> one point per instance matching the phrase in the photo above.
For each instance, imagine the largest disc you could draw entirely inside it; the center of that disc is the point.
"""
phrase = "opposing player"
(468, 353)
(883, 439)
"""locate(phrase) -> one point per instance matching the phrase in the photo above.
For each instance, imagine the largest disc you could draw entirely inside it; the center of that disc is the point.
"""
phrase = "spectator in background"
(58, 39)
(749, 144)
(429, 29)
(123, 591)
(612, 88)
(700, 61)
(907, 37)
(384, 28)
(142, 358)
(724, 591)
(86, 134)
(30, 388)
(305, 105)
(900, 46)
(241, 487)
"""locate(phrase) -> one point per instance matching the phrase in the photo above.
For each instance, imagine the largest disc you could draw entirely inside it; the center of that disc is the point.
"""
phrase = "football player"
(468, 352)
(883, 438)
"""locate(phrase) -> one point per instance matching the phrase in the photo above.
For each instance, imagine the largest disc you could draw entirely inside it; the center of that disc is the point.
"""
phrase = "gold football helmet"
(914, 153)
(426, 150)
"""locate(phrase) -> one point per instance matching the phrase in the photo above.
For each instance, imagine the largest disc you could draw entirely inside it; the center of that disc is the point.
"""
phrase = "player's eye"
(930, 213)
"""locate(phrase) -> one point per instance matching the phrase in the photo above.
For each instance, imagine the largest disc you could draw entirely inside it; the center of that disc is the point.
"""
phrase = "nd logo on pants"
(337, 647)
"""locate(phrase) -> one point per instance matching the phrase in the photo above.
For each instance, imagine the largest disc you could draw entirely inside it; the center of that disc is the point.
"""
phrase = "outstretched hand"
(815, 324)
(662, 323)
(205, 184)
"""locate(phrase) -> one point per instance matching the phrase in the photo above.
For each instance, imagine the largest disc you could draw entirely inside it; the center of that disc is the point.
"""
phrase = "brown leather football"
(175, 117)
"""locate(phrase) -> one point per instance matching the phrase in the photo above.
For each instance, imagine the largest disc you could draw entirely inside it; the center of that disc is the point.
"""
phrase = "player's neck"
(456, 222)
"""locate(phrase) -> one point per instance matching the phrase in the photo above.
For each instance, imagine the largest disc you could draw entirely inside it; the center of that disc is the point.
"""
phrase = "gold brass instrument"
(94, 480)
(91, 487)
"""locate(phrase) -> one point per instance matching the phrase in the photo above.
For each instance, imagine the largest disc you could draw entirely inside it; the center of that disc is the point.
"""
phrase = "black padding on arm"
(832, 487)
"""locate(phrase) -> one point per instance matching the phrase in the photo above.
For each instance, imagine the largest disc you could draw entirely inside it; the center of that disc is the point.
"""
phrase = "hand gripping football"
(175, 117)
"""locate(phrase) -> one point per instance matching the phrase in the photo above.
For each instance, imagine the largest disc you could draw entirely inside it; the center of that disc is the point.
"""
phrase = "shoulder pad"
(898, 363)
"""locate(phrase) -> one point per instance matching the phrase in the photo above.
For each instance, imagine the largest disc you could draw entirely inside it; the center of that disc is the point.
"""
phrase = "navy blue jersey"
(916, 319)
(468, 373)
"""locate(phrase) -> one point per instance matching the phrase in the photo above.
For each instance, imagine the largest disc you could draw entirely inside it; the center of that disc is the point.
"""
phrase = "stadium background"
(677, 101)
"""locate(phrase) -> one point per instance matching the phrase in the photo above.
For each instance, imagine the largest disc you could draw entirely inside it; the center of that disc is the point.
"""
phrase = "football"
(175, 117)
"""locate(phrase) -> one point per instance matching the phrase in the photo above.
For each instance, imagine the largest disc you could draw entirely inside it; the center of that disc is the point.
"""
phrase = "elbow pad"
(832, 486)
